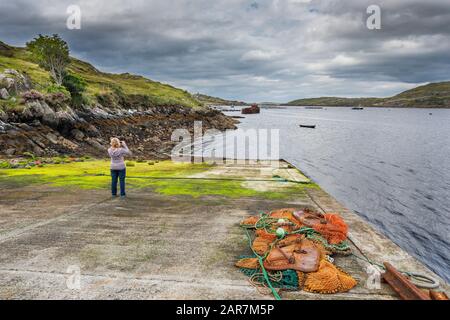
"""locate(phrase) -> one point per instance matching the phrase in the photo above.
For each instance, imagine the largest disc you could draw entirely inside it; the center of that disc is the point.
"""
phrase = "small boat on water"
(314, 108)
(358, 108)
(313, 126)
(254, 109)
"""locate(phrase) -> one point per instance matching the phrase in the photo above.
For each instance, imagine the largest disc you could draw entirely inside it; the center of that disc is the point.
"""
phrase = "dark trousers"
(118, 175)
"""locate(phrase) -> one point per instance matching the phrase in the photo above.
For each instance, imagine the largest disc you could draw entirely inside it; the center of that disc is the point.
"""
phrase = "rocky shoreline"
(42, 129)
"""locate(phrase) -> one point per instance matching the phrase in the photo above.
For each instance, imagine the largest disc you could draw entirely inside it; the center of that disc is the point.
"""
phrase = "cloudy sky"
(253, 50)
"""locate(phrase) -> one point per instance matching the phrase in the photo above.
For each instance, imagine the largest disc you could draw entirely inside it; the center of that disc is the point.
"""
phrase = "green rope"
(261, 263)
(364, 258)
(288, 278)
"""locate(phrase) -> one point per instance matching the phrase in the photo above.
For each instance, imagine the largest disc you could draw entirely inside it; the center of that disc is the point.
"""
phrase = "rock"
(36, 123)
(40, 110)
(49, 116)
(13, 132)
(96, 144)
(68, 144)
(52, 138)
(40, 140)
(12, 71)
(92, 131)
(38, 151)
(4, 94)
(24, 126)
(2, 127)
(10, 151)
(155, 140)
(14, 81)
(77, 134)
(3, 116)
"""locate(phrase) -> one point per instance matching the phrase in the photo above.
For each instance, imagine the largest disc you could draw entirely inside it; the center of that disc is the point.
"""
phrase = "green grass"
(104, 83)
(21, 61)
(98, 83)
(94, 174)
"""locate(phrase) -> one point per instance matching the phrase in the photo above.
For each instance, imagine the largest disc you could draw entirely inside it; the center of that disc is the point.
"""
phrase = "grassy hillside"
(334, 101)
(435, 95)
(99, 84)
(214, 101)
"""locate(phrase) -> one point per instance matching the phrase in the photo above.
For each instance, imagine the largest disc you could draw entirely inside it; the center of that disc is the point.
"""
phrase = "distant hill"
(100, 85)
(214, 101)
(433, 95)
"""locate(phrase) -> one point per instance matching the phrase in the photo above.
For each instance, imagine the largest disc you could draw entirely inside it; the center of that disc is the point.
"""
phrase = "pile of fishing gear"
(292, 250)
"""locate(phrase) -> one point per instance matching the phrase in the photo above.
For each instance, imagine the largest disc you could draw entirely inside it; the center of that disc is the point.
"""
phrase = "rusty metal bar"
(401, 284)
(438, 295)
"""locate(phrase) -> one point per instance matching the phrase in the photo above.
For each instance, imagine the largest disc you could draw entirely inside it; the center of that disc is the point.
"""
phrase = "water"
(391, 166)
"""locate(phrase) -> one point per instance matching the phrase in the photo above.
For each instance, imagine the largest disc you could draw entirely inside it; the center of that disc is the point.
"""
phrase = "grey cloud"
(253, 50)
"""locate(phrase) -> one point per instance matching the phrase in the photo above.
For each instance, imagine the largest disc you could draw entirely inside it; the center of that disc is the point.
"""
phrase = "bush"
(57, 99)
(76, 86)
(130, 164)
(108, 99)
(151, 163)
(54, 88)
(32, 95)
(56, 96)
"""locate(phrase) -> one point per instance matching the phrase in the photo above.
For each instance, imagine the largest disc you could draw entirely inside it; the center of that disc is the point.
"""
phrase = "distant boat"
(314, 108)
(313, 126)
(252, 110)
(358, 108)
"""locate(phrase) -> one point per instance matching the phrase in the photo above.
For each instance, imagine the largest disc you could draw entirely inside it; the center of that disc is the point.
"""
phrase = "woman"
(118, 170)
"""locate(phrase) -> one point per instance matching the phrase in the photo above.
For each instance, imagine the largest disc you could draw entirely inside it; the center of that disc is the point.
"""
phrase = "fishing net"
(334, 230)
(328, 279)
(261, 245)
(262, 233)
(286, 279)
(298, 257)
(250, 221)
(247, 263)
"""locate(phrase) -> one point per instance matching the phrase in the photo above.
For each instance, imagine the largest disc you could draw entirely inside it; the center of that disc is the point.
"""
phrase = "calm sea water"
(391, 166)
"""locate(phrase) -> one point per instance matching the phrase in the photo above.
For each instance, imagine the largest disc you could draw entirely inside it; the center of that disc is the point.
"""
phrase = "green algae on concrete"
(165, 177)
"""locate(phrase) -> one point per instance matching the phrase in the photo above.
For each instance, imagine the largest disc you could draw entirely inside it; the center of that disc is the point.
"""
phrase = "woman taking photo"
(117, 151)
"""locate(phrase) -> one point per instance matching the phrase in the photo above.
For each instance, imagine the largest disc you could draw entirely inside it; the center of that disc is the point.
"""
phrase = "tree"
(52, 54)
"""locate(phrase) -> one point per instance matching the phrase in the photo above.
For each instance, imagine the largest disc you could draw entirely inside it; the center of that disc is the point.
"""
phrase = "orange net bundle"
(266, 235)
(330, 226)
(309, 238)
(334, 230)
(261, 245)
(327, 279)
(286, 214)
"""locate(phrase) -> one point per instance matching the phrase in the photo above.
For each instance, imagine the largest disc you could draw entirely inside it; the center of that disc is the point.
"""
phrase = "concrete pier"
(159, 246)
